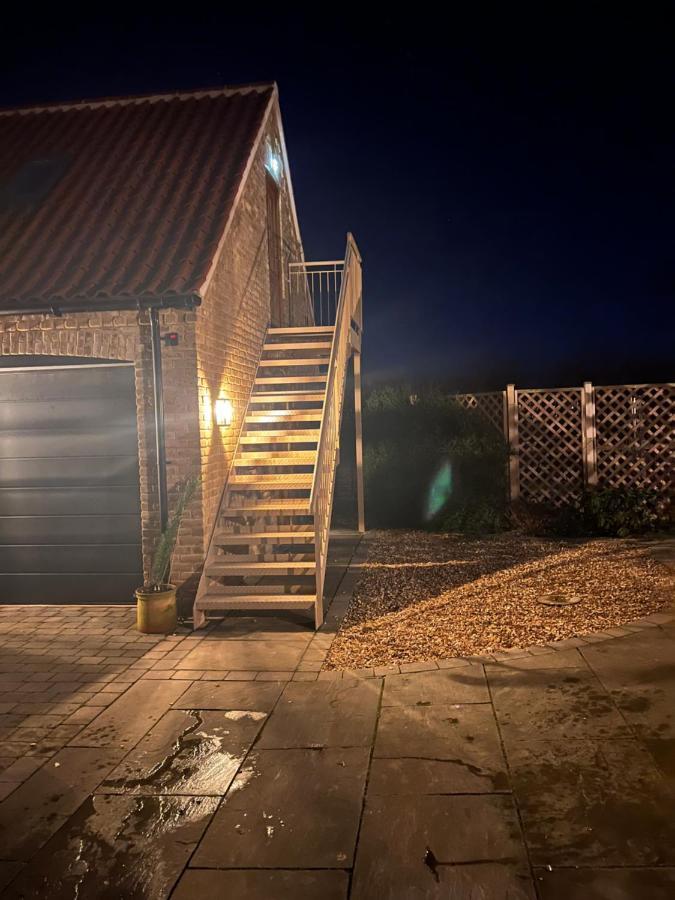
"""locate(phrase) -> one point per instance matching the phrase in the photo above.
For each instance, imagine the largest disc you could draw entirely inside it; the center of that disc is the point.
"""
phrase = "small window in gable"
(28, 186)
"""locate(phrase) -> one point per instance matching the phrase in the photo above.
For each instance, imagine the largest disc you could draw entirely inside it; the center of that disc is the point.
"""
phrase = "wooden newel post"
(359, 443)
(588, 435)
(513, 443)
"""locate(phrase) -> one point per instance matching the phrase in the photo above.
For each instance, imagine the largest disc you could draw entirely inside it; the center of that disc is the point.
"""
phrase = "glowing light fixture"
(275, 166)
(223, 412)
(273, 162)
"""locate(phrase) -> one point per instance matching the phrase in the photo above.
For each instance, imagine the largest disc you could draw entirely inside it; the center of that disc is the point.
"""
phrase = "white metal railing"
(317, 283)
(348, 322)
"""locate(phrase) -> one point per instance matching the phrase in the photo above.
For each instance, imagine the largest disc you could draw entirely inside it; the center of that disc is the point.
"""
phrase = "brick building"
(162, 223)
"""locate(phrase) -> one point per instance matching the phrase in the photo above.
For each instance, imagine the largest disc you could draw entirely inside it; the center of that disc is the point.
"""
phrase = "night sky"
(510, 177)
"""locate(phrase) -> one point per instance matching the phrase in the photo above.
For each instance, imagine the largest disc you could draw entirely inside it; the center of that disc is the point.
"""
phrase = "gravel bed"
(431, 596)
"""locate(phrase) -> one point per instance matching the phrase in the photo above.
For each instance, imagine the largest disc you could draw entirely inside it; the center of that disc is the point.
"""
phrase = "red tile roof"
(136, 193)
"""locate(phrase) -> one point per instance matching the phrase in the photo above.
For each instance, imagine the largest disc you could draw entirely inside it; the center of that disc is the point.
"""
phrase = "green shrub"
(603, 511)
(429, 463)
(478, 517)
(618, 512)
(161, 561)
(547, 520)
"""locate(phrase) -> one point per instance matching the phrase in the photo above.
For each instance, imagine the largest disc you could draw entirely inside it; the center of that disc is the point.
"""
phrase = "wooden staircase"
(269, 544)
(262, 552)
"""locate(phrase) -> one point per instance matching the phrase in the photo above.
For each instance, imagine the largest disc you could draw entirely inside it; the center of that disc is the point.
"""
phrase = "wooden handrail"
(323, 482)
(319, 262)
(335, 346)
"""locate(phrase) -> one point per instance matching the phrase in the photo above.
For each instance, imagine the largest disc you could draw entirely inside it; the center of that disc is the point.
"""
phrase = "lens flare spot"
(439, 490)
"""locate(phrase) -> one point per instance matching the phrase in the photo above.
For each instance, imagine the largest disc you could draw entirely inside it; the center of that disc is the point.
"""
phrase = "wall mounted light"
(273, 162)
(223, 412)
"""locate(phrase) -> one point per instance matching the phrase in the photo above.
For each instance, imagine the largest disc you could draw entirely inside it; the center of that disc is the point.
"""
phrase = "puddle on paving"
(244, 776)
(116, 847)
(198, 761)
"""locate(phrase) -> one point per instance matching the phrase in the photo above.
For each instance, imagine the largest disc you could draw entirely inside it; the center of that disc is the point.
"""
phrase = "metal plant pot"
(156, 610)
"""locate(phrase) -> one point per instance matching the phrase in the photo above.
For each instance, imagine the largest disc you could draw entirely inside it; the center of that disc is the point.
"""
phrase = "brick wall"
(218, 350)
(232, 320)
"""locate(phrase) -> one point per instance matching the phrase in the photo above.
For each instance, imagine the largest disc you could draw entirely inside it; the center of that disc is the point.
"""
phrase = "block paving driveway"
(226, 764)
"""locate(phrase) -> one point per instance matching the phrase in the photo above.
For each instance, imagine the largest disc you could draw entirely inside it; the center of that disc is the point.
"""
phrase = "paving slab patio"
(242, 695)
(442, 749)
(291, 809)
(325, 714)
(262, 884)
(441, 846)
(224, 764)
(606, 884)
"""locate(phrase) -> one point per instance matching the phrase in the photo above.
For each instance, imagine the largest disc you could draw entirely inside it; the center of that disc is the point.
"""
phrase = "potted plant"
(156, 600)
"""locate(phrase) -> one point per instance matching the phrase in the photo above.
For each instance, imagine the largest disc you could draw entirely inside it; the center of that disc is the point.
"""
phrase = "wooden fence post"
(512, 440)
(589, 435)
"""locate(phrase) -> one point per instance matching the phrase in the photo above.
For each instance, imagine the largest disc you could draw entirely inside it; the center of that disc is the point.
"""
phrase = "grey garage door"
(70, 527)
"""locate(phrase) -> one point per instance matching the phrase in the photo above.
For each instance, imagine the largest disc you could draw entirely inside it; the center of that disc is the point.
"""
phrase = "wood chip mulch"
(432, 596)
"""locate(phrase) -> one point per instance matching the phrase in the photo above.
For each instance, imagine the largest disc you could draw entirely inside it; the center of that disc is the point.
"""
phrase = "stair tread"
(216, 600)
(291, 361)
(298, 345)
(286, 435)
(265, 464)
(235, 567)
(290, 379)
(288, 397)
(302, 329)
(267, 478)
(285, 415)
(289, 458)
(267, 505)
(262, 536)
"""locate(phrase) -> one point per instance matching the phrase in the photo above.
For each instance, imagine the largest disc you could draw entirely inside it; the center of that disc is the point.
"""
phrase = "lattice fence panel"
(550, 443)
(635, 436)
(489, 405)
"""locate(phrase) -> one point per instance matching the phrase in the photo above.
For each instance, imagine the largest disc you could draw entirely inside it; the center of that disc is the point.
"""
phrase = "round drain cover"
(559, 600)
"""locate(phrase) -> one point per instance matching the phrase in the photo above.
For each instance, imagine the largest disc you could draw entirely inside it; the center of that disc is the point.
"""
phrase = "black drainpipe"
(158, 393)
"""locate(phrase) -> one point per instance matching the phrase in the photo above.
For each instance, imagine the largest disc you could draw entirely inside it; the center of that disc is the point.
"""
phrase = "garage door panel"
(66, 413)
(68, 588)
(69, 382)
(61, 472)
(78, 501)
(101, 558)
(70, 524)
(61, 442)
(69, 530)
